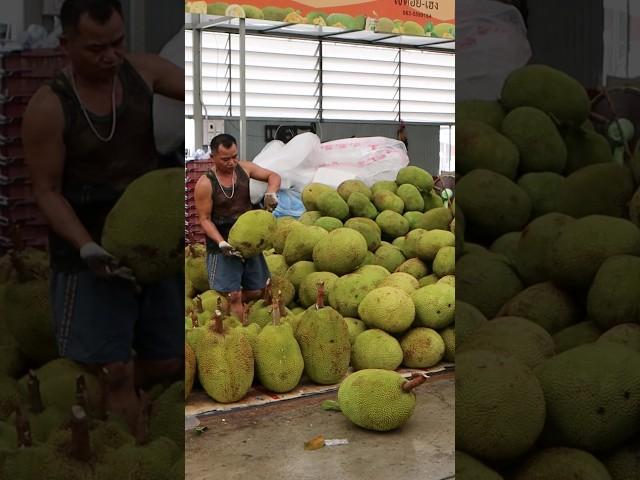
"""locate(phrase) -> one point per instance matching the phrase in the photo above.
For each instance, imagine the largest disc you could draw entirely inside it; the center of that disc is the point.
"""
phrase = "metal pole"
(197, 83)
(243, 100)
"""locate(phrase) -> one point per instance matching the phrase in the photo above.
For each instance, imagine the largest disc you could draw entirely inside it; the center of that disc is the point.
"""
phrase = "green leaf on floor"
(331, 405)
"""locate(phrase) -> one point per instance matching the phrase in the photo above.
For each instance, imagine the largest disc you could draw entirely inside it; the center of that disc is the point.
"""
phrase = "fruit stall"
(362, 288)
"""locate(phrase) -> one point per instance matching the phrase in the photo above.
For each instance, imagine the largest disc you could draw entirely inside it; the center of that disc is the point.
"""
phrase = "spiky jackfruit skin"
(29, 320)
(575, 335)
(9, 396)
(435, 305)
(389, 257)
(189, 369)
(346, 188)
(389, 185)
(559, 463)
(549, 90)
(445, 262)
(368, 228)
(347, 293)
(260, 313)
(284, 225)
(225, 364)
(298, 271)
(431, 242)
(328, 223)
(411, 197)
(543, 189)
(356, 327)
(469, 467)
(195, 269)
(301, 242)
(277, 264)
(468, 319)
(387, 200)
(421, 348)
(392, 224)
(308, 290)
(147, 462)
(483, 146)
(12, 361)
(210, 301)
(431, 200)
(402, 280)
(167, 413)
(279, 362)
(416, 176)
(623, 462)
(43, 424)
(585, 147)
(361, 206)
(375, 348)
(310, 195)
(376, 273)
(487, 111)
(309, 217)
(626, 334)
(341, 251)
(331, 204)
(374, 399)
(149, 240)
(436, 219)
(253, 232)
(387, 308)
(323, 337)
(448, 336)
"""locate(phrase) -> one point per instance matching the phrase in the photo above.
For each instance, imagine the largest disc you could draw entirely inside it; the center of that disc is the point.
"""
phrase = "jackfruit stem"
(23, 429)
(81, 392)
(275, 310)
(267, 292)
(320, 296)
(281, 309)
(245, 314)
(219, 304)
(80, 444)
(198, 304)
(144, 412)
(218, 326)
(194, 320)
(415, 380)
(35, 399)
(228, 309)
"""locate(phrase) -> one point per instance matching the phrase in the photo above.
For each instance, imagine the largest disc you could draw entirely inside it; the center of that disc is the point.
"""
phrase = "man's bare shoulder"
(203, 184)
(44, 105)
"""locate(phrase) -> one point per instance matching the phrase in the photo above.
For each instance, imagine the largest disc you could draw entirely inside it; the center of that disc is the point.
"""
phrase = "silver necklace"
(86, 114)
(233, 184)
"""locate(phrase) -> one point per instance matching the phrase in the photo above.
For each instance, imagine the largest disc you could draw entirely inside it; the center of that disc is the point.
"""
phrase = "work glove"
(270, 201)
(105, 265)
(229, 251)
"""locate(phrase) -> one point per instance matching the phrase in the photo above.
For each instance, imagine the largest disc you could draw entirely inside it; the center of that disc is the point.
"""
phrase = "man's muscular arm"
(204, 204)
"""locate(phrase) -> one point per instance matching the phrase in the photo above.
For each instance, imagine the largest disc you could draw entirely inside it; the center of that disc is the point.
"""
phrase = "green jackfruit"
(346, 188)
(347, 293)
(634, 208)
(189, 369)
(449, 338)
(387, 308)
(392, 224)
(416, 176)
(445, 262)
(253, 232)
(356, 327)
(560, 463)
(274, 13)
(507, 246)
(150, 241)
(414, 267)
(375, 348)
(482, 146)
(412, 28)
(301, 242)
(578, 334)
(468, 319)
(277, 264)
(145, 462)
(298, 271)
(384, 25)
(431, 200)
(543, 189)
(311, 192)
(389, 257)
(386, 200)
(625, 333)
(436, 219)
(378, 400)
(500, 406)
(402, 280)
(448, 280)
(487, 111)
(331, 204)
(341, 251)
(622, 463)
(376, 273)
(584, 148)
(309, 218)
(435, 305)
(413, 218)
(284, 226)
(368, 228)
(389, 185)
(308, 291)
(411, 197)
(541, 147)
(168, 410)
(361, 206)
(253, 12)
(422, 348)
(340, 20)
(431, 242)
(549, 90)
(217, 8)
(195, 268)
(469, 467)
(328, 223)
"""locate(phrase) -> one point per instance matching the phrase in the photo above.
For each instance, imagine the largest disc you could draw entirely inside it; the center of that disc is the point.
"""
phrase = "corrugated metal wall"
(424, 140)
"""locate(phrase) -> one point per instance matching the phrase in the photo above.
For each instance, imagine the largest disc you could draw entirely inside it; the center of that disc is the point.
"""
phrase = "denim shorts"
(230, 274)
(100, 321)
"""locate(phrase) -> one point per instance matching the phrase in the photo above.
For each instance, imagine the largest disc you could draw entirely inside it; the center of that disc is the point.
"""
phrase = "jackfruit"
(486, 281)
(584, 244)
(482, 146)
(431, 242)
(507, 246)
(323, 337)
(317, 18)
(486, 111)
(376, 273)
(422, 348)
(368, 228)
(309, 217)
(355, 327)
(308, 291)
(217, 8)
(435, 305)
(413, 218)
(252, 12)
(468, 467)
(622, 463)
(340, 20)
(375, 348)
(500, 406)
(195, 268)
(274, 13)
(361, 206)
(592, 394)
(468, 318)
(401, 280)
(545, 304)
(301, 242)
(168, 410)
(492, 203)
(412, 28)
(613, 296)
(209, 301)
(379, 400)
(578, 334)
(560, 463)
(328, 223)
(277, 264)
(386, 200)
(154, 248)
(428, 280)
(445, 262)
(411, 197)
(431, 200)
(414, 267)
(541, 147)
(389, 185)
(415, 176)
(625, 333)
(9, 396)
(287, 291)
(448, 280)
(584, 148)
(298, 271)
(548, 89)
(634, 208)
(330, 204)
(384, 25)
(347, 293)
(279, 362)
(346, 188)
(387, 308)
(392, 224)
(253, 232)
(189, 369)
(449, 338)
(235, 10)
(436, 219)
(543, 189)
(340, 252)
(284, 226)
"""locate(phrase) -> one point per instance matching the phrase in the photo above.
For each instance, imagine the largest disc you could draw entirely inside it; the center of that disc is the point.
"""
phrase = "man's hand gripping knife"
(105, 265)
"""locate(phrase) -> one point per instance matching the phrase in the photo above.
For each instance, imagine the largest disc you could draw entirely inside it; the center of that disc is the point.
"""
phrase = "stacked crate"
(21, 75)
(194, 170)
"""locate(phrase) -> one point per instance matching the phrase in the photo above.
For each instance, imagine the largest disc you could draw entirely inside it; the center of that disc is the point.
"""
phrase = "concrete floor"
(266, 443)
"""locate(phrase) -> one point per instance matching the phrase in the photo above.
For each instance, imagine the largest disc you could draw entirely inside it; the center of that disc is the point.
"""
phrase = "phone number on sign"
(413, 13)
(418, 4)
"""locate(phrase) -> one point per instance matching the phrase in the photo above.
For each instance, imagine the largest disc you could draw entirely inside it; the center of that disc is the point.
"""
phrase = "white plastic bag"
(491, 42)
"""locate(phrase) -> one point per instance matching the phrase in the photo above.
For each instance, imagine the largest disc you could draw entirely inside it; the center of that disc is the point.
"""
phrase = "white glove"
(228, 250)
(103, 263)
(270, 201)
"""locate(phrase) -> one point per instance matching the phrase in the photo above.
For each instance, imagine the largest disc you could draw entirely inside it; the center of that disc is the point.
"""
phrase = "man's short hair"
(224, 139)
(98, 10)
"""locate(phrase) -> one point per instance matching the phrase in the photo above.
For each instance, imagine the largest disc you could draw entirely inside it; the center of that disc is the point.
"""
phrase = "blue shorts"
(102, 321)
(230, 274)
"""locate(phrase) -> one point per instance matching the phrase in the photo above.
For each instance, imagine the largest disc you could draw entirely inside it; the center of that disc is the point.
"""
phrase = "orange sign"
(430, 18)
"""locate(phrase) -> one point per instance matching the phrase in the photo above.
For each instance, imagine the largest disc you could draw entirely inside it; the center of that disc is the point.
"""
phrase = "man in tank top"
(87, 135)
(221, 196)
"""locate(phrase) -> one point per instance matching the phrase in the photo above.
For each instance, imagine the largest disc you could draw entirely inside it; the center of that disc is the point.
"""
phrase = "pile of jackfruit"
(364, 279)
(54, 421)
(548, 285)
